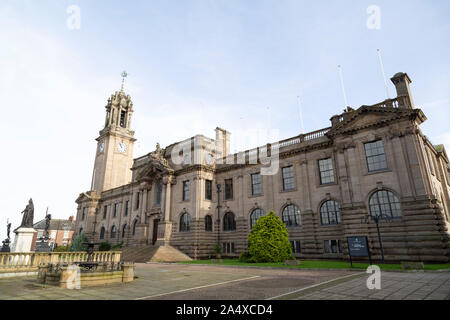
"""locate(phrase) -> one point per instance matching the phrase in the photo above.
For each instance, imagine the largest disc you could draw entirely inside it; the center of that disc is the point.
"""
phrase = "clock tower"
(114, 155)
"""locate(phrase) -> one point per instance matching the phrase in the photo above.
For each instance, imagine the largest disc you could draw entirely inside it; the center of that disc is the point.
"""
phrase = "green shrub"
(104, 246)
(79, 243)
(244, 257)
(218, 249)
(117, 246)
(62, 249)
(269, 240)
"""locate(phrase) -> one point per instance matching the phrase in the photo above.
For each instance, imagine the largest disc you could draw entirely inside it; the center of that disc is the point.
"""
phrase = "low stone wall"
(18, 264)
(70, 277)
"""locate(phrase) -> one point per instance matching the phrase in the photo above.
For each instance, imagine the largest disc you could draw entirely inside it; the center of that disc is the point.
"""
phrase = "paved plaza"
(197, 282)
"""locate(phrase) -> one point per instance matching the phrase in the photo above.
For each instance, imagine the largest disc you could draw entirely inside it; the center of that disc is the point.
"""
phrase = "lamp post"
(377, 219)
(218, 213)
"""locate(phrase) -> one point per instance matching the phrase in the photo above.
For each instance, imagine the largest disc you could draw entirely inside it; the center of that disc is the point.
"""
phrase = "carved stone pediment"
(368, 117)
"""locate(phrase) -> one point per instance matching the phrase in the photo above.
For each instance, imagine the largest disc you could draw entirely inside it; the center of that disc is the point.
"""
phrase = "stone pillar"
(128, 272)
(165, 225)
(23, 239)
(43, 268)
(70, 278)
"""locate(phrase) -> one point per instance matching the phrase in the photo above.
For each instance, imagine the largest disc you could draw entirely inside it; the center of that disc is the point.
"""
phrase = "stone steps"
(153, 254)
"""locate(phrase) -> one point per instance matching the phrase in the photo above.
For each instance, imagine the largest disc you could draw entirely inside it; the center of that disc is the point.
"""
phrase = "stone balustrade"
(19, 263)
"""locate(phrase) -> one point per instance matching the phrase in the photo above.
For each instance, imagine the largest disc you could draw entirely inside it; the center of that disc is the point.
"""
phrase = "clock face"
(121, 147)
(101, 147)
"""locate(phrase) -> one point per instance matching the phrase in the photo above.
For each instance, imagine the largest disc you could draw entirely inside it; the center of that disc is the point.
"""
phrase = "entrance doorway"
(155, 230)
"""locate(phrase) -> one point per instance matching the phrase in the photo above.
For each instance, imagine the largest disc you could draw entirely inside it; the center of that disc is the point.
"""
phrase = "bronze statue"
(48, 218)
(28, 215)
(8, 229)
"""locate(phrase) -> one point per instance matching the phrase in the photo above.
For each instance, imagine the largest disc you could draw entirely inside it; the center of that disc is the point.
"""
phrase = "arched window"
(229, 223)
(124, 229)
(134, 226)
(81, 230)
(291, 216)
(384, 203)
(329, 213)
(185, 222)
(113, 232)
(102, 233)
(208, 223)
(255, 215)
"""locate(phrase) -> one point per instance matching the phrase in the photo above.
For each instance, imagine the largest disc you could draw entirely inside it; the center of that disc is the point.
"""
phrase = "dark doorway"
(155, 230)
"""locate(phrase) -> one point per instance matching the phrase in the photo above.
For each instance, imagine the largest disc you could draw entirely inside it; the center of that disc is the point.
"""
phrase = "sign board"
(358, 246)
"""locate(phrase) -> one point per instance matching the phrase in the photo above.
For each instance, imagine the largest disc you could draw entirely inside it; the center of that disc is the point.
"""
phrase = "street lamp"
(377, 219)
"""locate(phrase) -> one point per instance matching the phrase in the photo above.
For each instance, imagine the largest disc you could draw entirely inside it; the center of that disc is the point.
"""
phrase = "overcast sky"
(194, 65)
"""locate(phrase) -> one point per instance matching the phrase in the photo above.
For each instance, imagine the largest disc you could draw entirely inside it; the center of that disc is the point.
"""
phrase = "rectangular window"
(105, 211)
(138, 200)
(208, 189)
(340, 246)
(228, 247)
(228, 189)
(66, 234)
(127, 205)
(83, 216)
(334, 248)
(326, 171)
(159, 188)
(375, 156)
(326, 246)
(40, 233)
(186, 185)
(256, 184)
(288, 178)
(116, 206)
(430, 159)
(296, 246)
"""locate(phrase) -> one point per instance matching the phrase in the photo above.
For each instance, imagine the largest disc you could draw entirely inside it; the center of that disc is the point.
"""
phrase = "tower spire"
(124, 75)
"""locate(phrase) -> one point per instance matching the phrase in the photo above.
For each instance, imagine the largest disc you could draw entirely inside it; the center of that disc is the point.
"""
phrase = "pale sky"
(194, 65)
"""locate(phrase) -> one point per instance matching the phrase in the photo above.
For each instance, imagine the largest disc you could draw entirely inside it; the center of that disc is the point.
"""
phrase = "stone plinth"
(23, 240)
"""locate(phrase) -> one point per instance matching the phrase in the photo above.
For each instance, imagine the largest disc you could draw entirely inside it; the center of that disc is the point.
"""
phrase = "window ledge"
(368, 173)
(287, 191)
(327, 184)
(256, 195)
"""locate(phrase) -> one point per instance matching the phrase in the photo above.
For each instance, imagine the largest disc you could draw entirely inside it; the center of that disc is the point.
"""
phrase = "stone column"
(128, 272)
(165, 226)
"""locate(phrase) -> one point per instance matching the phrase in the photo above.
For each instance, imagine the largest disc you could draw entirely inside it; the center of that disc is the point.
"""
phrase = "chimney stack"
(222, 142)
(401, 81)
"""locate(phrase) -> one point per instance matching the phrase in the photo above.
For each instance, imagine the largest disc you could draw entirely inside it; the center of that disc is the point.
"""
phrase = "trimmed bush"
(79, 243)
(104, 246)
(269, 240)
(62, 249)
(117, 246)
(244, 257)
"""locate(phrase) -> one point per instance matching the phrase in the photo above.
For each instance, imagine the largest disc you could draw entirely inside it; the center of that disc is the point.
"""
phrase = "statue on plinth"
(28, 215)
(42, 245)
(6, 242)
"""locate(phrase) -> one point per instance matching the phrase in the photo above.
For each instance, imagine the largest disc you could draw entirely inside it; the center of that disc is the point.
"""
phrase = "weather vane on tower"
(124, 75)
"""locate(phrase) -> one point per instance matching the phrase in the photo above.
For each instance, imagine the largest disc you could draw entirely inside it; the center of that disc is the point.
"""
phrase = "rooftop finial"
(124, 75)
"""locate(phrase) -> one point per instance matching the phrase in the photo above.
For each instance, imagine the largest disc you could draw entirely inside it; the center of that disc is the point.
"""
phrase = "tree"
(269, 240)
(79, 244)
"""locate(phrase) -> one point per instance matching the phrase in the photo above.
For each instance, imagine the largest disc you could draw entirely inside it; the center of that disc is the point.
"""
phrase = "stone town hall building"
(373, 160)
